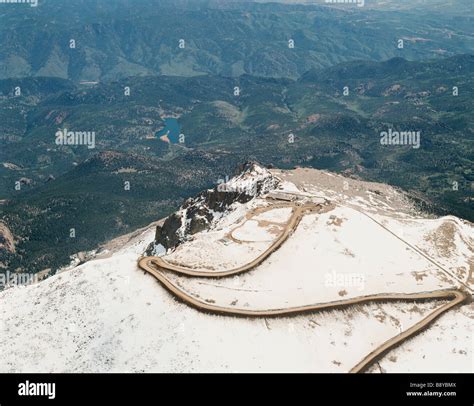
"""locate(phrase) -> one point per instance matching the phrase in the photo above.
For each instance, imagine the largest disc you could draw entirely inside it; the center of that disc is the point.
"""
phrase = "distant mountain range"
(92, 40)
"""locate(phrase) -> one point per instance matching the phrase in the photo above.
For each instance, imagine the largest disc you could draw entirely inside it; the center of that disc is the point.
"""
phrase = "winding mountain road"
(158, 267)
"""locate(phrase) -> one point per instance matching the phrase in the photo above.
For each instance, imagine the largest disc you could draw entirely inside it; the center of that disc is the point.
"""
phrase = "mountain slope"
(110, 194)
(102, 309)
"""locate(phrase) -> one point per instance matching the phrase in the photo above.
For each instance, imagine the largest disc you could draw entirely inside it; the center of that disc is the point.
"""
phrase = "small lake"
(171, 131)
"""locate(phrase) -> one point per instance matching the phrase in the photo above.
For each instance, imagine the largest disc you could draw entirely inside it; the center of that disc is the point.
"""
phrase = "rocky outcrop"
(197, 213)
(6, 239)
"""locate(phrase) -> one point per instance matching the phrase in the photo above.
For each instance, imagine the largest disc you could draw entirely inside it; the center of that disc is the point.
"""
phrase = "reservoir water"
(171, 131)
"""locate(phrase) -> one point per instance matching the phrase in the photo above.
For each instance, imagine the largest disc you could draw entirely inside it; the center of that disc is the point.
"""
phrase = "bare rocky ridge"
(197, 213)
(352, 191)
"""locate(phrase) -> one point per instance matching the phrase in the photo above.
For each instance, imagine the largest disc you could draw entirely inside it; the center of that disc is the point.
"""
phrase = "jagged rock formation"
(197, 213)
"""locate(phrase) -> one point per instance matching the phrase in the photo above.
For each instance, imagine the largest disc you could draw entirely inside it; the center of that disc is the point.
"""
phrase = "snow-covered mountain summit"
(199, 213)
(344, 239)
